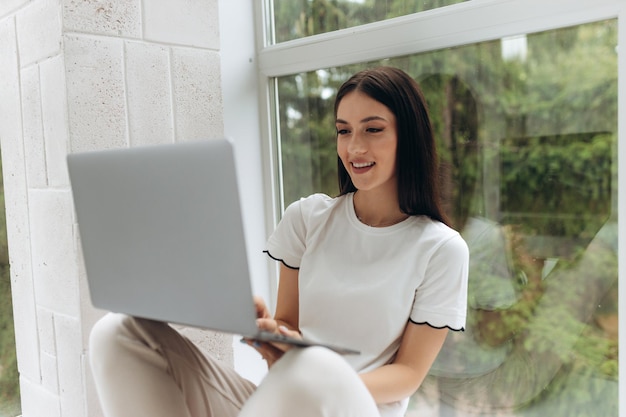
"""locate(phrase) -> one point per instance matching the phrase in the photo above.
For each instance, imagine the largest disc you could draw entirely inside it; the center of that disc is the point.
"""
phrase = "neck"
(377, 210)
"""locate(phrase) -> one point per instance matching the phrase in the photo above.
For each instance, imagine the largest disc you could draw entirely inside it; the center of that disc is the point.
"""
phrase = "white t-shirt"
(360, 285)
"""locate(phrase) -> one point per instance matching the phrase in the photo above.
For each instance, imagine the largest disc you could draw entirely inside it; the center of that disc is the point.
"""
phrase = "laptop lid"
(162, 233)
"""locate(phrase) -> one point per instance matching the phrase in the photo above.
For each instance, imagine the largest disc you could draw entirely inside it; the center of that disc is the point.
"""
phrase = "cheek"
(391, 157)
(387, 148)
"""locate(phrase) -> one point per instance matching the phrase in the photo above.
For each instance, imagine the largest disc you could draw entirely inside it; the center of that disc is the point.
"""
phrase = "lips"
(361, 165)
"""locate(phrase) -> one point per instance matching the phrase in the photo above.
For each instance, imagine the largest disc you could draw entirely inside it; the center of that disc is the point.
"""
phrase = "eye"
(374, 129)
(342, 131)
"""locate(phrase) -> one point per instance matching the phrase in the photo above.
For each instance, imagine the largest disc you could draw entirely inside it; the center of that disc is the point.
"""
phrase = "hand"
(262, 312)
(271, 352)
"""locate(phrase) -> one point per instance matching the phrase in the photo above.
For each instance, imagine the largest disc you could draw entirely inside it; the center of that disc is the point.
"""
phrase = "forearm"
(287, 305)
(400, 379)
(393, 382)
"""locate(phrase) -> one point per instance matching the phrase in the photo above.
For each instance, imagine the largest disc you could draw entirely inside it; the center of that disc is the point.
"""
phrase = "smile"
(362, 164)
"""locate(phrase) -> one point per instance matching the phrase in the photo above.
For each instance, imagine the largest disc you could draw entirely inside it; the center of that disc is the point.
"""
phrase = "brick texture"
(81, 75)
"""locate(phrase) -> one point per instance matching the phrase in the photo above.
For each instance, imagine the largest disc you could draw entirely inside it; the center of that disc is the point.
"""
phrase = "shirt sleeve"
(441, 300)
(287, 243)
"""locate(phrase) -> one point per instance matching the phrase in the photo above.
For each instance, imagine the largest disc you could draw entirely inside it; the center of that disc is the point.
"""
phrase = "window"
(9, 379)
(526, 117)
(299, 19)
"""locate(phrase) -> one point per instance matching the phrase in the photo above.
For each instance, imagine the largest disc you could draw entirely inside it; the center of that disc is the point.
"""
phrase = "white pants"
(146, 368)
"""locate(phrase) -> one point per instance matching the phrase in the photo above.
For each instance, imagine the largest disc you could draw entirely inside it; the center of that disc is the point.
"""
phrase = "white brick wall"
(150, 110)
(79, 75)
(185, 22)
(95, 92)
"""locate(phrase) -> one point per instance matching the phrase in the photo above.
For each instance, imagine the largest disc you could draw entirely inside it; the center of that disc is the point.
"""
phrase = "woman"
(375, 268)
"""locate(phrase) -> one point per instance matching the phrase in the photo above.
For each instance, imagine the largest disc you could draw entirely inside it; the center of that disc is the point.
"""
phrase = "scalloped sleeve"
(287, 243)
(441, 299)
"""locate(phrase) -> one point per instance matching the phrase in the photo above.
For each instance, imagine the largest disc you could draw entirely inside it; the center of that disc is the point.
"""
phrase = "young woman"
(375, 268)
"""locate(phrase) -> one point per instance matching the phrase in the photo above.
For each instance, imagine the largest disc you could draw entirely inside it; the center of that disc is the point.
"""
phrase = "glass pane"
(527, 131)
(9, 384)
(298, 19)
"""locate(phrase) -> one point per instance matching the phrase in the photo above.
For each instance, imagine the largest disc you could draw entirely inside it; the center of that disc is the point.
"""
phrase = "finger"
(271, 349)
(287, 332)
(284, 347)
(269, 352)
(267, 324)
(261, 308)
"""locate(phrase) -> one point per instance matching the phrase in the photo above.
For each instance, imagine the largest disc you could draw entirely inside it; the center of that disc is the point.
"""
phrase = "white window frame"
(461, 24)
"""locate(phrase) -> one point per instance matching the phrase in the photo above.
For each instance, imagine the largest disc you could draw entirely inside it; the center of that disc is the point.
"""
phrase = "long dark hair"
(416, 155)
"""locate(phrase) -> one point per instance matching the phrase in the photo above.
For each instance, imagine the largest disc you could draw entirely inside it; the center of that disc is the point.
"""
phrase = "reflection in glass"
(527, 131)
(298, 19)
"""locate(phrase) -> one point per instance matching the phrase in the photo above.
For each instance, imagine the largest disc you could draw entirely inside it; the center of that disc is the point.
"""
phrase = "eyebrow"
(365, 120)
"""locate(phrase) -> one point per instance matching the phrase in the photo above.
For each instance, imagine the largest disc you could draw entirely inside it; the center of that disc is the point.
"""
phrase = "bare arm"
(285, 319)
(287, 304)
(400, 379)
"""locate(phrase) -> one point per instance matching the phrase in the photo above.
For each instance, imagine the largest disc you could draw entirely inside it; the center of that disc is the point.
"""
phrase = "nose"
(357, 145)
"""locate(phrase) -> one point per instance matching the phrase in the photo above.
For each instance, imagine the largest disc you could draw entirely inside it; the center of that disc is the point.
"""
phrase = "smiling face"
(367, 142)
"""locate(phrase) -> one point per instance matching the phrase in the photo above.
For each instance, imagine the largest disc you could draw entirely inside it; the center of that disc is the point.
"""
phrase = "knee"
(313, 382)
(104, 338)
(308, 370)
(316, 360)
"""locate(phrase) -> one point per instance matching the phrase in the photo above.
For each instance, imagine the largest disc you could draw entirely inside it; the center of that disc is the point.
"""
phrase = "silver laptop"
(162, 236)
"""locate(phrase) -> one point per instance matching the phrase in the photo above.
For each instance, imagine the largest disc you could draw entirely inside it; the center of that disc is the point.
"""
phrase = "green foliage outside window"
(294, 19)
(528, 150)
(9, 379)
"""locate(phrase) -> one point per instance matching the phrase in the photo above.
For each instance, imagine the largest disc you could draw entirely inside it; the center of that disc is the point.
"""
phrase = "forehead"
(356, 106)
